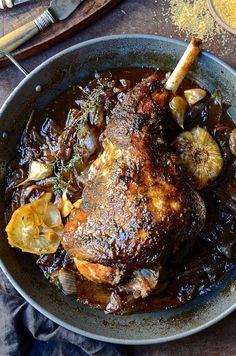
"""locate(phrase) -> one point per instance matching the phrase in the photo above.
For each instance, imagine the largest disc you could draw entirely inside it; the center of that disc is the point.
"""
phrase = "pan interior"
(55, 75)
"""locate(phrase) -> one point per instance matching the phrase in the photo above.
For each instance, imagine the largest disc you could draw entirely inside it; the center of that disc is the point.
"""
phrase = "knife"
(57, 11)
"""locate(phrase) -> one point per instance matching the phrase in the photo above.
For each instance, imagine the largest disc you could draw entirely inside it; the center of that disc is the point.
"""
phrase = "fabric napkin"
(25, 331)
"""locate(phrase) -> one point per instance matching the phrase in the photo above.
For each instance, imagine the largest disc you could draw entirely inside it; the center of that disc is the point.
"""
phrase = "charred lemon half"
(36, 227)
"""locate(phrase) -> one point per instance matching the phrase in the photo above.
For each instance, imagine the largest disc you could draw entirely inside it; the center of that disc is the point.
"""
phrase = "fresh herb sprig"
(92, 100)
(70, 165)
(88, 107)
(59, 185)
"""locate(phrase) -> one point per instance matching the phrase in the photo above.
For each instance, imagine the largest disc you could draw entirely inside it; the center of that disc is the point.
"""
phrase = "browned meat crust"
(137, 205)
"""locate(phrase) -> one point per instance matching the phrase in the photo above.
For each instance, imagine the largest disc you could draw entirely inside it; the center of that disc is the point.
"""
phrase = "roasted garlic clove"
(200, 154)
(77, 203)
(232, 142)
(37, 171)
(178, 107)
(68, 282)
(64, 205)
(193, 96)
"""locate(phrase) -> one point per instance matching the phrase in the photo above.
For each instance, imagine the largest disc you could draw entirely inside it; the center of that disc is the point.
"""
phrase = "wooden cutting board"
(86, 13)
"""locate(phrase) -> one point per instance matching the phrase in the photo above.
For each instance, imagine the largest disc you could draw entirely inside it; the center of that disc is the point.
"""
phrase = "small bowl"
(218, 19)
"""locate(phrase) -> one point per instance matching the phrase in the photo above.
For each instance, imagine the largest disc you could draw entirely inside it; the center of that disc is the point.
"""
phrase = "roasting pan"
(35, 91)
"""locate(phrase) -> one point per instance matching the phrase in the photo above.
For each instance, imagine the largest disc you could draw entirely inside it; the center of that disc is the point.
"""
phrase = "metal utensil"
(58, 10)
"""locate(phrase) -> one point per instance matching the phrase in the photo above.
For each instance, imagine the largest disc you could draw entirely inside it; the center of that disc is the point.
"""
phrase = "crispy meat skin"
(136, 206)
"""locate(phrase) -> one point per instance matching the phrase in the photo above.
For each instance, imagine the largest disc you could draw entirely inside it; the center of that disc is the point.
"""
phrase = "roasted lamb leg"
(137, 205)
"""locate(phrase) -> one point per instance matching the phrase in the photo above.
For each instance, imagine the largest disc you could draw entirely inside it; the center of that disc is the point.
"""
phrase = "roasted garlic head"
(200, 154)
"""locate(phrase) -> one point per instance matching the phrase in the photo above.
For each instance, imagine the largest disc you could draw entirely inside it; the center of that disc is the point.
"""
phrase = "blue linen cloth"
(25, 331)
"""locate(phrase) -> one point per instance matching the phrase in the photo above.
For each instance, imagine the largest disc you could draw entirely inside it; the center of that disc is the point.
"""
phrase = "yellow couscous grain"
(226, 10)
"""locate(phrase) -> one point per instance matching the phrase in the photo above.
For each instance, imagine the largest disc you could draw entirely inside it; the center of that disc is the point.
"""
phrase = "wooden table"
(143, 16)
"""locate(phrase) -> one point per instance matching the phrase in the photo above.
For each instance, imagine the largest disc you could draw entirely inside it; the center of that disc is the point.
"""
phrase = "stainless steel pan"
(35, 92)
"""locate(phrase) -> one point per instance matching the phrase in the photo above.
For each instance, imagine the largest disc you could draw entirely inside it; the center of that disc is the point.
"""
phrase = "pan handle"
(38, 87)
(14, 61)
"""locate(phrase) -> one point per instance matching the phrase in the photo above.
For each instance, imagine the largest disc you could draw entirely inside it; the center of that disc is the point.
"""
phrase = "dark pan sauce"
(199, 265)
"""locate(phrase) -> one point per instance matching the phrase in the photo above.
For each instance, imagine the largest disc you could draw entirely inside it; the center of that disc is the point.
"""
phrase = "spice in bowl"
(224, 12)
(193, 18)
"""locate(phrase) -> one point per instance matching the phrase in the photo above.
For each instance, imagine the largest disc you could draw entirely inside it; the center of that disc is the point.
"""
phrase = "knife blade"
(54, 7)
(57, 11)
(61, 9)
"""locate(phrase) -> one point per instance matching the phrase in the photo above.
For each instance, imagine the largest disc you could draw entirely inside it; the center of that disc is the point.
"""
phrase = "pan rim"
(109, 38)
(114, 340)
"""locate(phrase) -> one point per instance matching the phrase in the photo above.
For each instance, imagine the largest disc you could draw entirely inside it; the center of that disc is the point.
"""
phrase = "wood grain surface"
(87, 12)
(145, 16)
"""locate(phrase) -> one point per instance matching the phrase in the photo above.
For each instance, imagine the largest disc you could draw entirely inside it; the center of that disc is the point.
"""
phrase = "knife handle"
(22, 34)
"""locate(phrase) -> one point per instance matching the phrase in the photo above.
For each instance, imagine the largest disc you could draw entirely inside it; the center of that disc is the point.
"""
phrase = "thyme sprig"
(88, 107)
(70, 165)
(94, 96)
(59, 185)
(92, 100)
